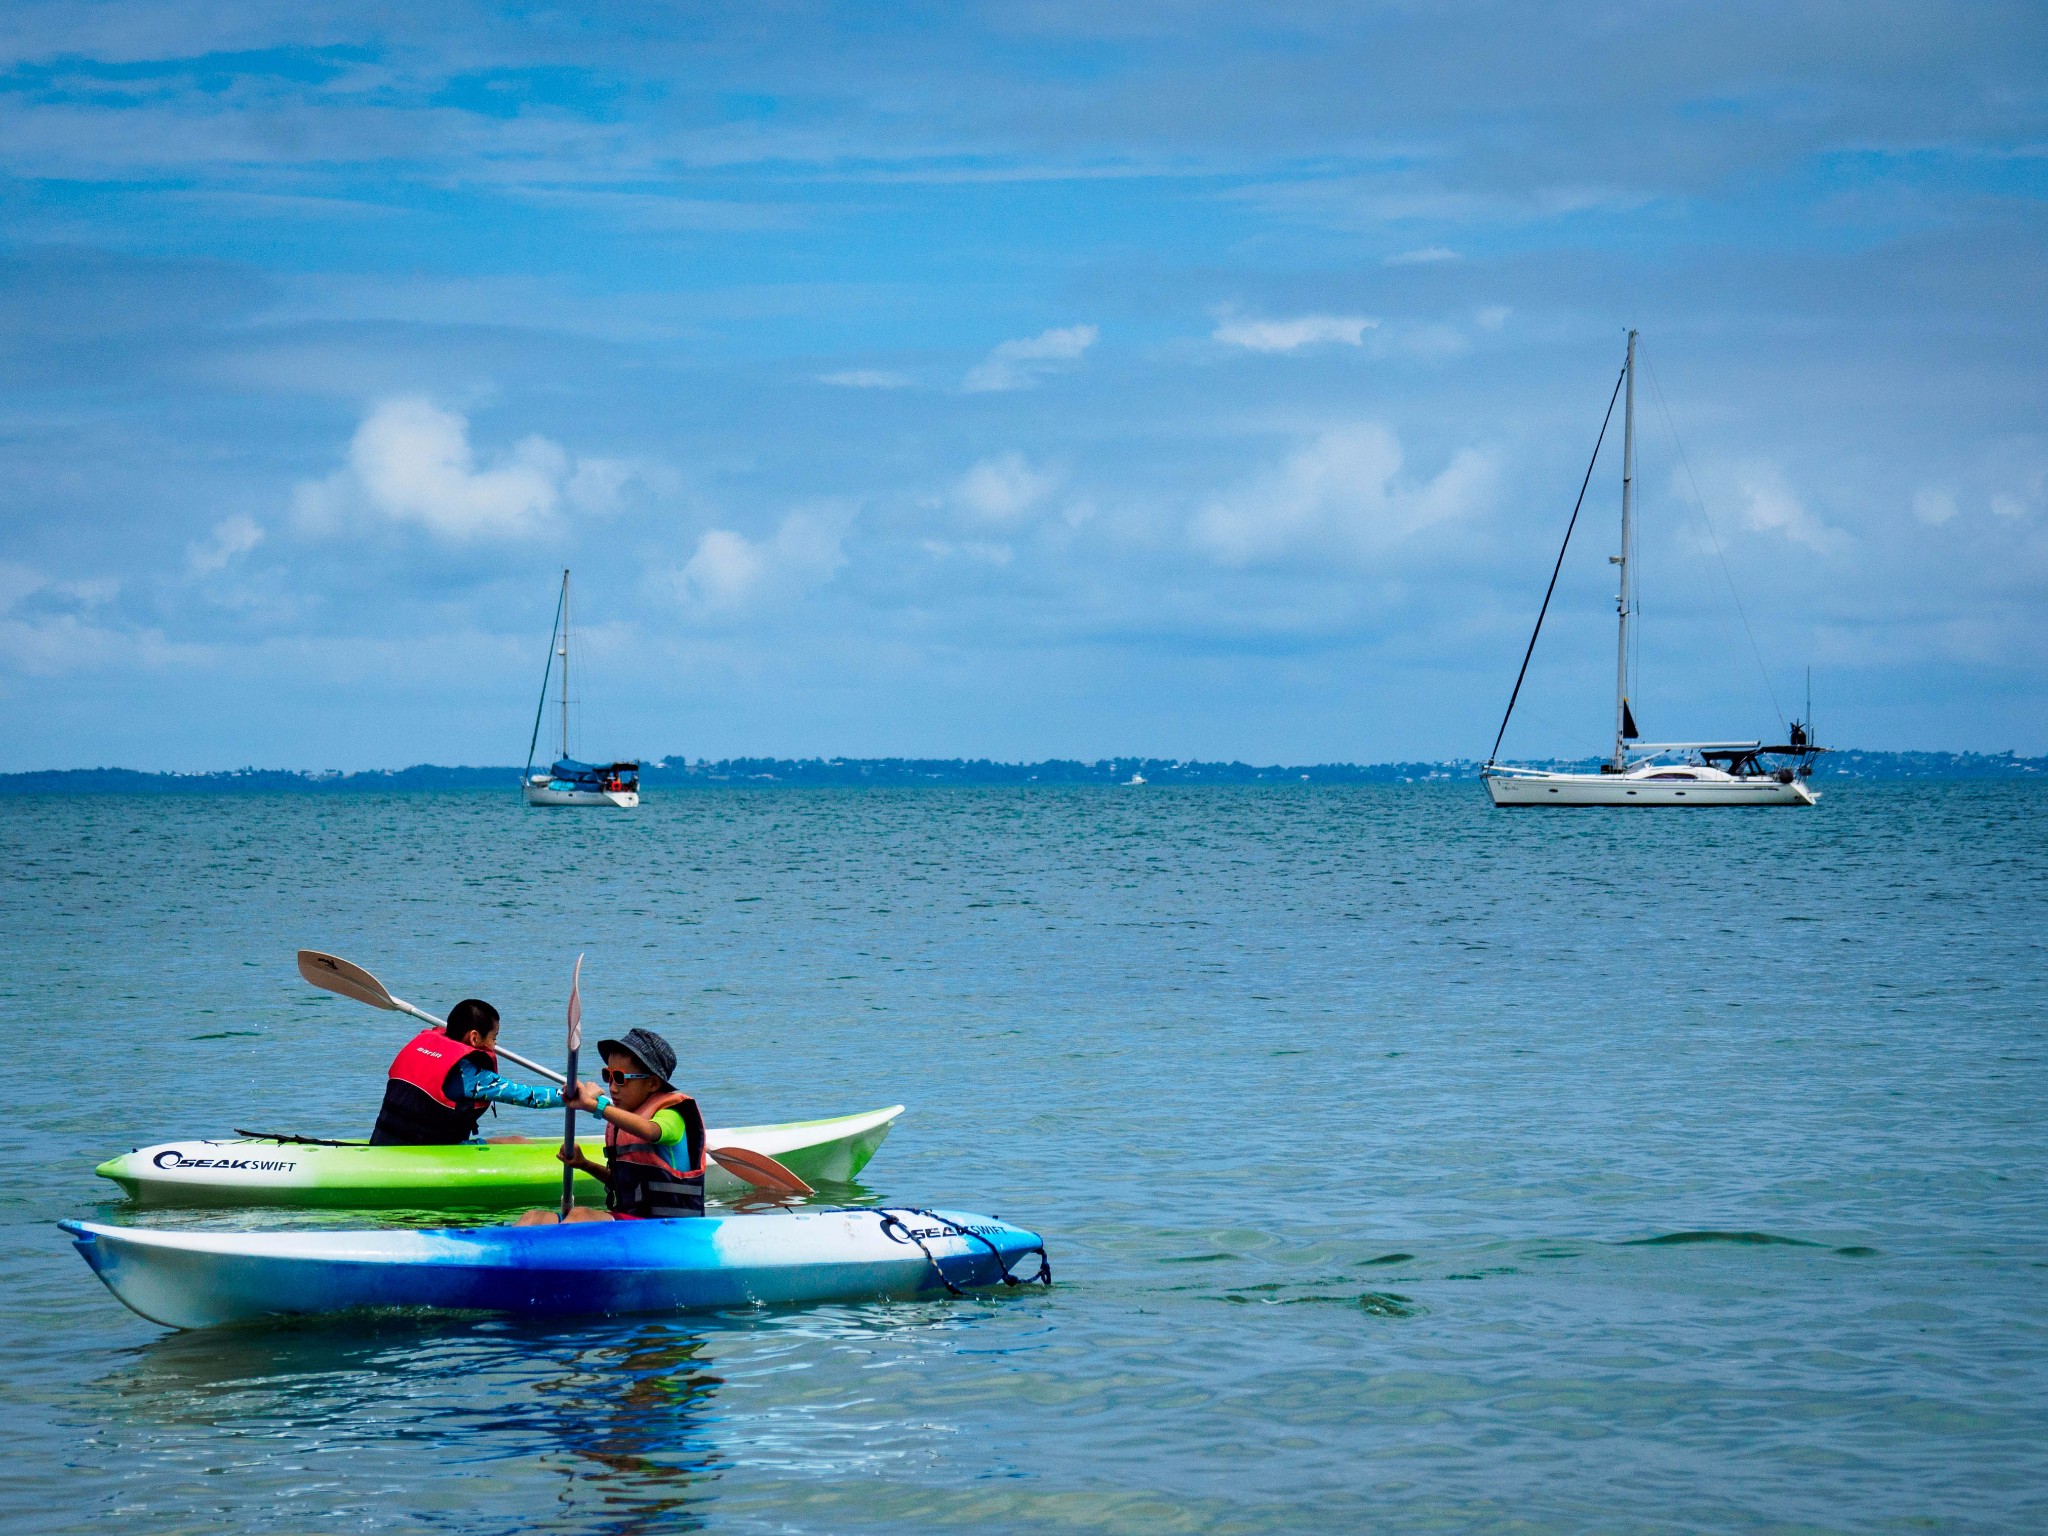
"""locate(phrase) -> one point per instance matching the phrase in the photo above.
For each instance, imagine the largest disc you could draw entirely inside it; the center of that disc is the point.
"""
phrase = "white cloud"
(2016, 473)
(232, 538)
(1004, 488)
(1934, 507)
(1771, 506)
(982, 551)
(17, 582)
(1492, 317)
(1290, 335)
(597, 486)
(867, 378)
(20, 581)
(729, 571)
(1022, 363)
(66, 644)
(1339, 495)
(1428, 254)
(724, 571)
(411, 462)
(57, 636)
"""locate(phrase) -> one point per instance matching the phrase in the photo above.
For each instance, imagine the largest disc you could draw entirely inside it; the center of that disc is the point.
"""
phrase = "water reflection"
(642, 1422)
(605, 1427)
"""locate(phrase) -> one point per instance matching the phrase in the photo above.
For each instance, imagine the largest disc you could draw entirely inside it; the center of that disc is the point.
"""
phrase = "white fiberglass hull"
(1623, 789)
(542, 794)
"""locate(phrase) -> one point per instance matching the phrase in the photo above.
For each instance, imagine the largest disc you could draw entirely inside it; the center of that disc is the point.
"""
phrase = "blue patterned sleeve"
(480, 1083)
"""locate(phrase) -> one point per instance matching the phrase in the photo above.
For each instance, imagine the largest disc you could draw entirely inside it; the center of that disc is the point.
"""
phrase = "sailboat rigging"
(1640, 773)
(569, 782)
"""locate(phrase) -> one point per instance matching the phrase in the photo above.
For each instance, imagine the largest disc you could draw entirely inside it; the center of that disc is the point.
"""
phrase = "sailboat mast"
(564, 654)
(1628, 483)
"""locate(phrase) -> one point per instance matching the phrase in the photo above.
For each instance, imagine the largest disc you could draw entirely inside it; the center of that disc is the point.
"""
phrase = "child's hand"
(572, 1156)
(582, 1096)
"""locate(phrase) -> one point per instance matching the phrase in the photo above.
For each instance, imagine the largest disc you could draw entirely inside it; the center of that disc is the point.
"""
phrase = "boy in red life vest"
(442, 1081)
(653, 1136)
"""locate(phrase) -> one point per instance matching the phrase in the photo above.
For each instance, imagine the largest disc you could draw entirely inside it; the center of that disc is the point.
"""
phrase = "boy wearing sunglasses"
(653, 1165)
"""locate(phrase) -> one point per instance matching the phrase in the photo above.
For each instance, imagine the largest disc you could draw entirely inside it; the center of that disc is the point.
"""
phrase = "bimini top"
(576, 773)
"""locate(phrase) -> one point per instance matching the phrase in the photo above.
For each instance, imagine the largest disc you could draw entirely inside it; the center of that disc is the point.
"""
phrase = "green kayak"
(283, 1170)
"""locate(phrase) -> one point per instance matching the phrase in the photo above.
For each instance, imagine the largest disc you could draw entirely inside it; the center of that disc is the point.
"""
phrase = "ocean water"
(1406, 1166)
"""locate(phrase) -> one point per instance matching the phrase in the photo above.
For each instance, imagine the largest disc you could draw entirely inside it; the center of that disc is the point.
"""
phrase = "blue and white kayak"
(198, 1279)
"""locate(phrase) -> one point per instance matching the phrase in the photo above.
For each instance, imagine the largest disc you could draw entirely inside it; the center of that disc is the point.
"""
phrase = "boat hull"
(1590, 789)
(472, 1176)
(618, 799)
(202, 1279)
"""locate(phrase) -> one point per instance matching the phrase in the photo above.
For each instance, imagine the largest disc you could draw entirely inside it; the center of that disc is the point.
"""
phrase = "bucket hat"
(655, 1053)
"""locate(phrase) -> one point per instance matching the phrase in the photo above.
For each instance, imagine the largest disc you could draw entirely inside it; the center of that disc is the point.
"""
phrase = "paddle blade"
(337, 975)
(760, 1170)
(576, 1007)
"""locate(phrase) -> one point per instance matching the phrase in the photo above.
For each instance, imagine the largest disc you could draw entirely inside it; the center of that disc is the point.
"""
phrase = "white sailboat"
(1650, 773)
(568, 782)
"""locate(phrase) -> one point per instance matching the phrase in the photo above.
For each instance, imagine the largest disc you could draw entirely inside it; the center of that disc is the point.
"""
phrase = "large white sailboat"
(568, 782)
(1650, 773)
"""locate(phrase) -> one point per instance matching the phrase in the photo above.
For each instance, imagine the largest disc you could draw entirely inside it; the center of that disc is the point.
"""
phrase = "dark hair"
(471, 1013)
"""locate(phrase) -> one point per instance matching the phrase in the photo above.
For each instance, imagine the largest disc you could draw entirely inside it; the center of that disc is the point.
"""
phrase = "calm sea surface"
(1407, 1166)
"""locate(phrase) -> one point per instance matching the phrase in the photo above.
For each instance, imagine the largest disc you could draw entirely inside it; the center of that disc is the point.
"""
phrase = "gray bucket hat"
(655, 1053)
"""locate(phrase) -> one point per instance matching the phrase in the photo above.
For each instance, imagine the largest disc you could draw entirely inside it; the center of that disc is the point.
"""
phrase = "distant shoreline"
(902, 772)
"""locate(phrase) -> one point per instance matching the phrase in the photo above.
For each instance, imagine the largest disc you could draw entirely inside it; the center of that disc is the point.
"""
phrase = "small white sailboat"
(1647, 773)
(568, 782)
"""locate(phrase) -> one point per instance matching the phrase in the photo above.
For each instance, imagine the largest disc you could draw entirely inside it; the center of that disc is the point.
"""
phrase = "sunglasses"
(619, 1079)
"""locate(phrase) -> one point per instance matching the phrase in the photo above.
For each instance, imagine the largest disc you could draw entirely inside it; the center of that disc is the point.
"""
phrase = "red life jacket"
(417, 1109)
(428, 1061)
(646, 1184)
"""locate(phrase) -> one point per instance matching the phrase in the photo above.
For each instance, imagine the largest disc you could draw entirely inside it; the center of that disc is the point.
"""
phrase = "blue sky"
(1025, 380)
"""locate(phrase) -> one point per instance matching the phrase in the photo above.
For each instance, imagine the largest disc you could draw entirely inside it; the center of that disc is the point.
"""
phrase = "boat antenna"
(1547, 591)
(541, 708)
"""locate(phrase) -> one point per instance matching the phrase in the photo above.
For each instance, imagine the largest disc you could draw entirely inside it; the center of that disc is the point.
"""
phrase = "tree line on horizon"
(904, 772)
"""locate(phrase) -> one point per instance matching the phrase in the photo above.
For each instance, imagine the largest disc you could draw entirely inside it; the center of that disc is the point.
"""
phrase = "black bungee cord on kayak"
(286, 1139)
(898, 1231)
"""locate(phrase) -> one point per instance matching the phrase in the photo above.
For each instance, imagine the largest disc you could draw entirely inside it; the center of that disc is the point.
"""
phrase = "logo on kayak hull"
(171, 1157)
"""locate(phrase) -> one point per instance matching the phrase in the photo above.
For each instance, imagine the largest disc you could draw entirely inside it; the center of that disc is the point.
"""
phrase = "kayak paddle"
(569, 1111)
(334, 974)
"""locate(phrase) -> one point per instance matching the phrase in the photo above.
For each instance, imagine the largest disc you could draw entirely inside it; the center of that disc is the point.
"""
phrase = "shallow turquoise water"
(1407, 1166)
